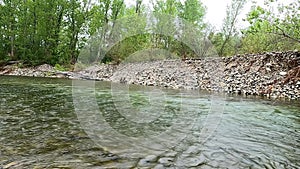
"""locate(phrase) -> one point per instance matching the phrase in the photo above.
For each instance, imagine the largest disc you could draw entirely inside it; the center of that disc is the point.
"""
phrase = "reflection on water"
(40, 129)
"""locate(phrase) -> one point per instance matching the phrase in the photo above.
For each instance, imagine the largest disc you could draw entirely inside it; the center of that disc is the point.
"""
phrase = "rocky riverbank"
(275, 74)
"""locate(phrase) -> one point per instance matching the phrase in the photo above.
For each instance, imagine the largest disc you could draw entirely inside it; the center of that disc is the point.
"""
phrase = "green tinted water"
(39, 128)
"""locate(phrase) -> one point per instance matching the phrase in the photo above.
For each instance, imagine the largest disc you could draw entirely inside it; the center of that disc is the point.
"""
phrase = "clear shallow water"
(39, 128)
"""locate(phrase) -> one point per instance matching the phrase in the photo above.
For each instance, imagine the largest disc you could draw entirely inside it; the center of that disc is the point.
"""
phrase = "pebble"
(191, 161)
(151, 158)
(193, 150)
(265, 69)
(167, 162)
(269, 64)
(159, 166)
(10, 165)
(171, 154)
(147, 161)
(282, 73)
(144, 163)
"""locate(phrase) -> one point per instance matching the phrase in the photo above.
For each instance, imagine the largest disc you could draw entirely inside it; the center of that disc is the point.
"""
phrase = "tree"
(138, 4)
(261, 41)
(193, 11)
(229, 30)
(54, 32)
(287, 24)
(103, 20)
(169, 7)
(269, 31)
(9, 27)
(163, 10)
(77, 16)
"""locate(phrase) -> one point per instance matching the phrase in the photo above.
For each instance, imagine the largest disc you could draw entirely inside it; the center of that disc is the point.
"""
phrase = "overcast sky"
(216, 10)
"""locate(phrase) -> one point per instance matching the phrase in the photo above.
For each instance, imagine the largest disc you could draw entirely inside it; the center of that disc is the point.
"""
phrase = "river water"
(49, 123)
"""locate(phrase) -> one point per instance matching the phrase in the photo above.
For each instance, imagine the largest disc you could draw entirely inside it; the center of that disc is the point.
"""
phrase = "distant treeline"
(54, 32)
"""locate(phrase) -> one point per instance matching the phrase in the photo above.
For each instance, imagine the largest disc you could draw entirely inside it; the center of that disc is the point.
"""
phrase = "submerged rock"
(166, 161)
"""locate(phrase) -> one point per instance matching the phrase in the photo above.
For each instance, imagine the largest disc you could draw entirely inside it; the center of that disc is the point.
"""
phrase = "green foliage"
(274, 27)
(127, 47)
(286, 24)
(264, 42)
(59, 67)
(193, 11)
(55, 32)
(227, 40)
(41, 31)
(269, 32)
(170, 7)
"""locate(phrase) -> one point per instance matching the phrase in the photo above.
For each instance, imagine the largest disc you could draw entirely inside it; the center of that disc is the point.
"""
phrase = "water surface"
(39, 128)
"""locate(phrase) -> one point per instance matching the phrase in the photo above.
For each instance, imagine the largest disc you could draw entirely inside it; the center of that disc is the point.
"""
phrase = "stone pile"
(101, 72)
(39, 71)
(168, 73)
(274, 74)
(263, 74)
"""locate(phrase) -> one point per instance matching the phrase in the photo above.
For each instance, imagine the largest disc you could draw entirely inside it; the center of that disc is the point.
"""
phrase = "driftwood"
(293, 76)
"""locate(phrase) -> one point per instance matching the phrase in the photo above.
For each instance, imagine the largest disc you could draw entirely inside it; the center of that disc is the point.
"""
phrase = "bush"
(59, 67)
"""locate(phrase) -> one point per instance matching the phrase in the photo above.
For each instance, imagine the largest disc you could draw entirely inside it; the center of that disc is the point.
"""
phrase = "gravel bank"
(275, 74)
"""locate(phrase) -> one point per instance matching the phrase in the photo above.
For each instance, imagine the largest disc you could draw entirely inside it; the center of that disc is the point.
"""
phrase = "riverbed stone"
(282, 73)
(191, 161)
(147, 161)
(159, 166)
(144, 163)
(170, 154)
(166, 161)
(248, 74)
(151, 158)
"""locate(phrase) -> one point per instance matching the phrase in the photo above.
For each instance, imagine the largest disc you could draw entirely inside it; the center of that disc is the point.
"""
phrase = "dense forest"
(34, 32)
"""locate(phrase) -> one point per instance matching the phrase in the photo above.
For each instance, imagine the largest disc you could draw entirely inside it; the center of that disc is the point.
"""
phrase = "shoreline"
(273, 75)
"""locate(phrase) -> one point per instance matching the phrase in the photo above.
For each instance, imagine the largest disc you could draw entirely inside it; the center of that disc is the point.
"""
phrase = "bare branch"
(285, 34)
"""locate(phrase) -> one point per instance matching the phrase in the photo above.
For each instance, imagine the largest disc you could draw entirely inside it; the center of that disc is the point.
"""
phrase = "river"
(49, 123)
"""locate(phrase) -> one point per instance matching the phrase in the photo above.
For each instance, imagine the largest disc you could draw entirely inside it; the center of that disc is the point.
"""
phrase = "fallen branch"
(292, 76)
